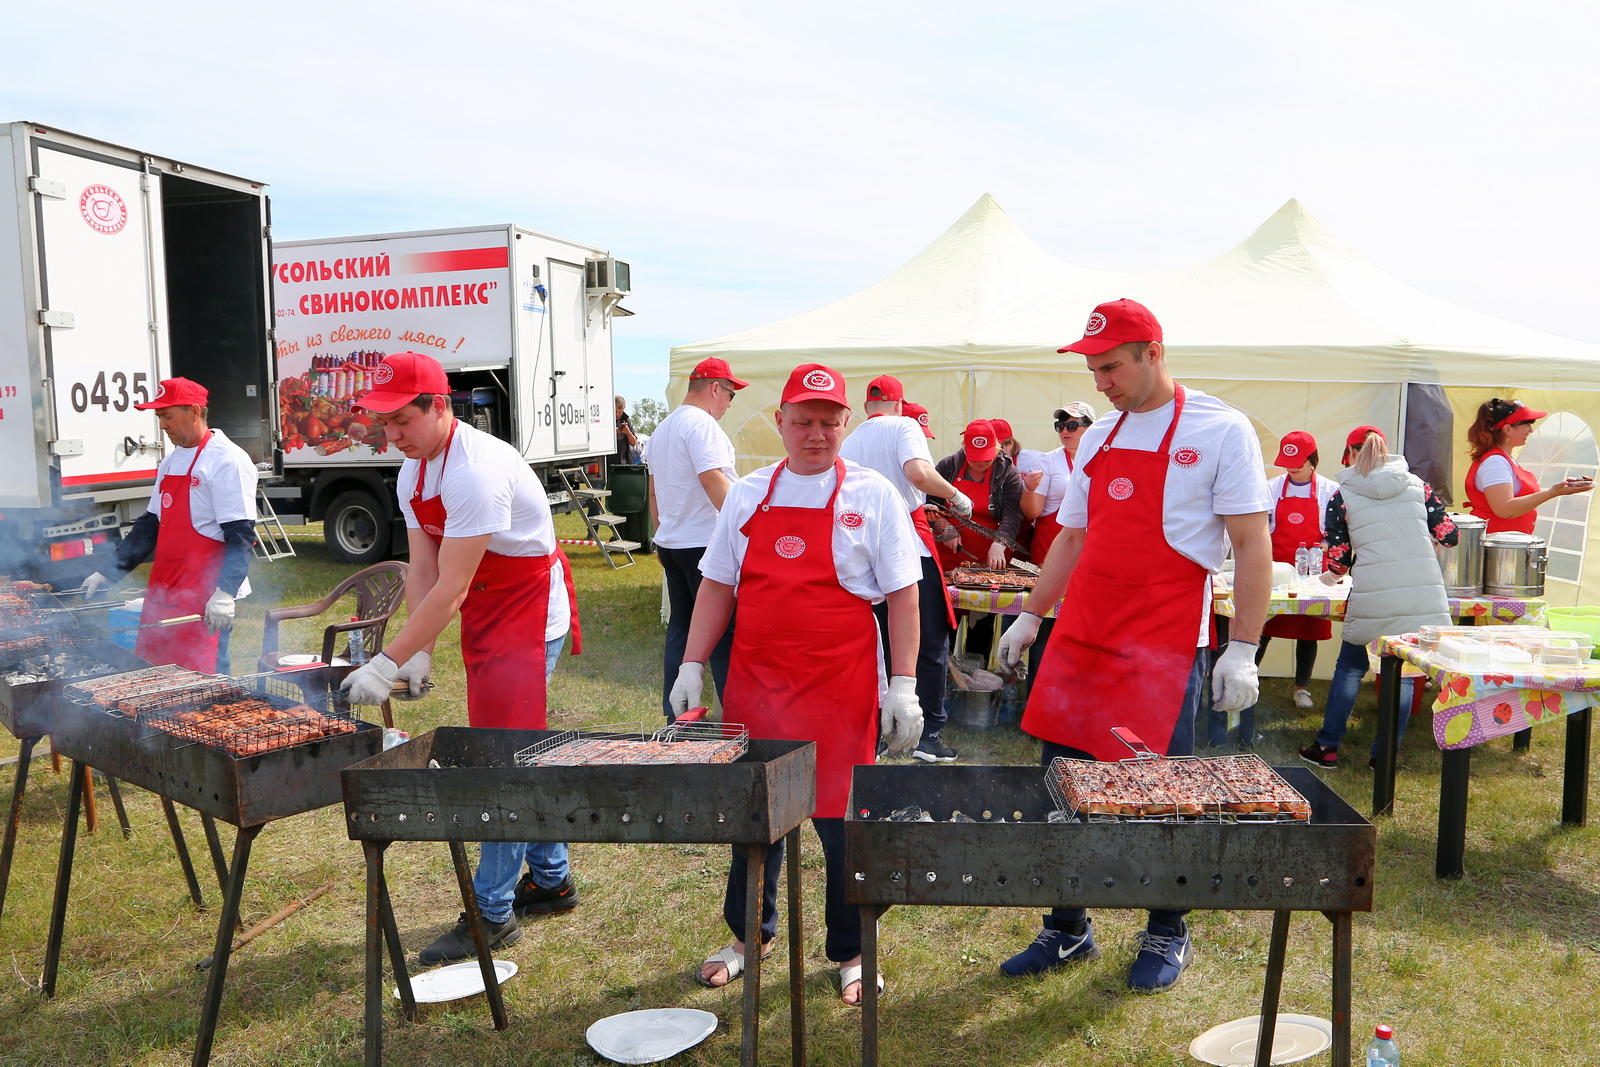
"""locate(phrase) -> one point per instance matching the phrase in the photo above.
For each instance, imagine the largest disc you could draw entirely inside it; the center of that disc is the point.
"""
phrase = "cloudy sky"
(754, 161)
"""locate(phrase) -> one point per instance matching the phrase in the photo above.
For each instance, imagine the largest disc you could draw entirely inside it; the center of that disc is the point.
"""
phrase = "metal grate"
(632, 744)
(1186, 789)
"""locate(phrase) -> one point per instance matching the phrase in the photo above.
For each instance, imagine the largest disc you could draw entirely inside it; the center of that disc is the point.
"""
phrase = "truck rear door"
(570, 391)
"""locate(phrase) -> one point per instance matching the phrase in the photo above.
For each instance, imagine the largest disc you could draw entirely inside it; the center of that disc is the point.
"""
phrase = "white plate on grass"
(650, 1035)
(454, 982)
(1297, 1037)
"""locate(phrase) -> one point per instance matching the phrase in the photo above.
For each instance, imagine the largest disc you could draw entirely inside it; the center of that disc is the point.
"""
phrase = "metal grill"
(631, 744)
(1185, 789)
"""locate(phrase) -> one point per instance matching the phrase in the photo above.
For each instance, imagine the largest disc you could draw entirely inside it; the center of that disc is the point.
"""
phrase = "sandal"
(851, 972)
(731, 958)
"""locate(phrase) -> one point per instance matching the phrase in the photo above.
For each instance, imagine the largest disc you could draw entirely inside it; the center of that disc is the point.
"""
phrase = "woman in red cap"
(1503, 493)
(996, 493)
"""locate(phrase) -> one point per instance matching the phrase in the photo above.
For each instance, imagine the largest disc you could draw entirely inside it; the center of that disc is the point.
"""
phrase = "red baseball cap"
(1523, 413)
(1002, 429)
(1295, 449)
(813, 381)
(400, 379)
(885, 387)
(716, 367)
(918, 412)
(1358, 436)
(1114, 323)
(176, 392)
(979, 442)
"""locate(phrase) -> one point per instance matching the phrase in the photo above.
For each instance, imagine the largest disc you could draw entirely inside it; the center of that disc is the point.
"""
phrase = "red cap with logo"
(885, 387)
(1114, 323)
(1295, 449)
(916, 411)
(978, 441)
(1358, 436)
(716, 367)
(1002, 429)
(400, 379)
(1523, 413)
(813, 381)
(176, 392)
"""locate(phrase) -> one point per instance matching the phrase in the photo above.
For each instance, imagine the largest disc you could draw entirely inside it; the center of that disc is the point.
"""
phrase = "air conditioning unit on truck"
(509, 312)
(117, 269)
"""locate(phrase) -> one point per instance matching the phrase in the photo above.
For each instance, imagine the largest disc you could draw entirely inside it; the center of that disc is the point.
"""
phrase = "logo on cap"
(923, 418)
(383, 374)
(1290, 449)
(166, 501)
(1096, 323)
(1120, 488)
(1186, 457)
(789, 546)
(161, 391)
(852, 520)
(822, 382)
(980, 442)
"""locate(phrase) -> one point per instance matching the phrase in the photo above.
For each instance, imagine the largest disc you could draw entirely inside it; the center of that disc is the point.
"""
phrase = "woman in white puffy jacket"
(1380, 528)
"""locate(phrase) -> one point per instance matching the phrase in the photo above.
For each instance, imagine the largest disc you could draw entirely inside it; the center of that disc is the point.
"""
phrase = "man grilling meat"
(482, 542)
(807, 547)
(1146, 519)
(201, 525)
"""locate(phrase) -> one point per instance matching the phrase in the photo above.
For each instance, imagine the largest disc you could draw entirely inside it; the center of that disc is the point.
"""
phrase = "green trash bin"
(630, 498)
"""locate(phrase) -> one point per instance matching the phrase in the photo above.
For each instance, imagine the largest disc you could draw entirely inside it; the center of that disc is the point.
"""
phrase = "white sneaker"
(1302, 698)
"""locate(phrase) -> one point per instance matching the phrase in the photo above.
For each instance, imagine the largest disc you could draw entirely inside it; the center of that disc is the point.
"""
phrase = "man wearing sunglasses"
(691, 470)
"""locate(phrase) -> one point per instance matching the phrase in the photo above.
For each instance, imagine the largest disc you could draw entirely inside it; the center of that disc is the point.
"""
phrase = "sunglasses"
(1071, 425)
(732, 392)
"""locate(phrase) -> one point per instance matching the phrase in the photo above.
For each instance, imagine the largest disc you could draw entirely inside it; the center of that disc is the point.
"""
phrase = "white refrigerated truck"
(520, 320)
(117, 268)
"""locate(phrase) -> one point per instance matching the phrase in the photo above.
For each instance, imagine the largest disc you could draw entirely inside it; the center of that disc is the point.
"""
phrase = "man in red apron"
(201, 525)
(1161, 487)
(807, 546)
(482, 542)
(895, 446)
(995, 489)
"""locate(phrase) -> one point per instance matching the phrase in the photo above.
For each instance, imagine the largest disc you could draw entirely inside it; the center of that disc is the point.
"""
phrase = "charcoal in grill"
(631, 744)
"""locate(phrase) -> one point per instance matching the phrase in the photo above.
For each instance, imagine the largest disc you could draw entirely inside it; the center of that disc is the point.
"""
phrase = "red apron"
(1125, 639)
(804, 664)
(919, 520)
(1297, 523)
(1046, 528)
(1478, 503)
(502, 622)
(976, 543)
(181, 580)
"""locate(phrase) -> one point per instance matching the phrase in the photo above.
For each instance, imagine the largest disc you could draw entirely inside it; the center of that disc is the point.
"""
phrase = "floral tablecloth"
(1476, 707)
(994, 601)
(1490, 608)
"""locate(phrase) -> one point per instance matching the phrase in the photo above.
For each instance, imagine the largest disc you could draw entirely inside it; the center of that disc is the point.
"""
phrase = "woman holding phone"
(1500, 491)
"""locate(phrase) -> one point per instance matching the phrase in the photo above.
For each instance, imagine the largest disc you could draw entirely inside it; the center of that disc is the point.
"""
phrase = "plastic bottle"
(1381, 1050)
(1315, 561)
(1302, 562)
(358, 645)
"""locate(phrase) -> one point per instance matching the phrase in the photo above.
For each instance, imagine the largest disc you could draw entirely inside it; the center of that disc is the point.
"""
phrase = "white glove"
(414, 672)
(1235, 685)
(900, 718)
(961, 504)
(685, 692)
(1330, 578)
(1018, 636)
(95, 585)
(219, 611)
(372, 682)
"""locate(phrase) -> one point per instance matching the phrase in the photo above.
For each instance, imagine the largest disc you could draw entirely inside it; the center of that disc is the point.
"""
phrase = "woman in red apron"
(1508, 505)
(1071, 421)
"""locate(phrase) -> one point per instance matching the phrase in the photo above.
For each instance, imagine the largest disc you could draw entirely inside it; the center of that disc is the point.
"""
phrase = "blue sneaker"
(1161, 959)
(1051, 949)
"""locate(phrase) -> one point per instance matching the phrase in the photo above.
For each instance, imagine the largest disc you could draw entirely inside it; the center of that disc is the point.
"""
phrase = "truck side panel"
(25, 475)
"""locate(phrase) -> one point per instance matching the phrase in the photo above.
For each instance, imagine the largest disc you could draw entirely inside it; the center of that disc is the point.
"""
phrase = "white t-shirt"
(489, 489)
(1030, 460)
(1326, 487)
(687, 444)
(1057, 474)
(1496, 470)
(222, 489)
(886, 443)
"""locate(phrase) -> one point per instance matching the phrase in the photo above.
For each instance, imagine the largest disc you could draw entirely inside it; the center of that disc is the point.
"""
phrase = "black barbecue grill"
(458, 784)
(1004, 850)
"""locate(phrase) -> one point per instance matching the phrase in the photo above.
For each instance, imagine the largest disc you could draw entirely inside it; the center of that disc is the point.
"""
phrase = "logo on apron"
(821, 381)
(1120, 488)
(1295, 518)
(432, 530)
(166, 501)
(1186, 457)
(852, 520)
(789, 546)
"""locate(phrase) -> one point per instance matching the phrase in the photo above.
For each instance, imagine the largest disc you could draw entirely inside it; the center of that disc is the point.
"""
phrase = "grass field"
(1502, 967)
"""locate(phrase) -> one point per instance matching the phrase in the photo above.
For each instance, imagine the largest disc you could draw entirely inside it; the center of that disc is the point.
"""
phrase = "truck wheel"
(356, 528)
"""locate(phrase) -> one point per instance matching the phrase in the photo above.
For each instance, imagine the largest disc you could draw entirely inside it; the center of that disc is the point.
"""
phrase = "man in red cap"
(201, 523)
(807, 546)
(995, 489)
(482, 542)
(1170, 481)
(912, 410)
(691, 469)
(894, 445)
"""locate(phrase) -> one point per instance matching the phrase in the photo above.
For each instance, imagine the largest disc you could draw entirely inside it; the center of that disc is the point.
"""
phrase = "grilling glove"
(95, 585)
(373, 682)
(961, 504)
(1018, 636)
(685, 692)
(1235, 685)
(414, 672)
(219, 611)
(900, 718)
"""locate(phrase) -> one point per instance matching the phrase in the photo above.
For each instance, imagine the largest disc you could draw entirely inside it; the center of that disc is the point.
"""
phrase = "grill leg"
(224, 947)
(1452, 847)
(754, 884)
(1388, 717)
(372, 1022)
(469, 904)
(1574, 779)
(116, 802)
(1342, 961)
(797, 963)
(219, 860)
(183, 852)
(869, 984)
(397, 952)
(14, 820)
(58, 910)
(1277, 947)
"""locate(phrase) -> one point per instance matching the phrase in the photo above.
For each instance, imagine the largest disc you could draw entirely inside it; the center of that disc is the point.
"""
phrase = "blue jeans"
(500, 862)
(1348, 671)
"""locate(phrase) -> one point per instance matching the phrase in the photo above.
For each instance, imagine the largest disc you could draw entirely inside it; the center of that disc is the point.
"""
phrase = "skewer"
(178, 621)
(276, 919)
